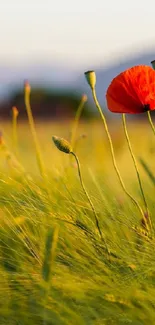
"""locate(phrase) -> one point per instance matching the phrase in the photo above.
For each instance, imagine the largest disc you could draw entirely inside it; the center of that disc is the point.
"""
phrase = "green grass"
(54, 267)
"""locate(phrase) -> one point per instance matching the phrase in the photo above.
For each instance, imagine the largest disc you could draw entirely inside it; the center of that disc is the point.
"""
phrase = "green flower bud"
(62, 144)
(91, 78)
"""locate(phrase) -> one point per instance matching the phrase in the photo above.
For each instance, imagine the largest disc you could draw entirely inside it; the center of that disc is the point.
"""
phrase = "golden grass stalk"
(82, 136)
(33, 130)
(14, 127)
(137, 172)
(76, 120)
(92, 83)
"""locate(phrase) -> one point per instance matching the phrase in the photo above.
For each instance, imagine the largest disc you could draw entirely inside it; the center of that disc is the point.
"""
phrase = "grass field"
(55, 269)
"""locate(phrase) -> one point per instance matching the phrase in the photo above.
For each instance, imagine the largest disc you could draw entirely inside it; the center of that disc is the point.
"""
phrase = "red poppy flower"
(132, 91)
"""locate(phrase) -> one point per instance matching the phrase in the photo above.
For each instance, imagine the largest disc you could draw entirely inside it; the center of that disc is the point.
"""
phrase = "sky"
(76, 33)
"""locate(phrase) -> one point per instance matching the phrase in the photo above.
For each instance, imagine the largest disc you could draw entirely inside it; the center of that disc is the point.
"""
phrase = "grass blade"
(147, 170)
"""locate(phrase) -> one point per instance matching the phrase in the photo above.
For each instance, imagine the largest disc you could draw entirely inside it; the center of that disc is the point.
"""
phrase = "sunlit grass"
(85, 287)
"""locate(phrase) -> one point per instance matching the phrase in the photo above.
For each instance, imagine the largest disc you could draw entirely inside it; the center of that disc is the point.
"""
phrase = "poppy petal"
(132, 91)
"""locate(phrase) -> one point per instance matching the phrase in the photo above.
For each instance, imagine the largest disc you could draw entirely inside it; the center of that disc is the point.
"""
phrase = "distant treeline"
(46, 104)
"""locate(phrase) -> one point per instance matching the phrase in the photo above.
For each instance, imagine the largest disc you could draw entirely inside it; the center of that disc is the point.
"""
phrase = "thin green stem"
(112, 152)
(147, 170)
(136, 167)
(33, 131)
(76, 121)
(151, 122)
(88, 197)
(77, 142)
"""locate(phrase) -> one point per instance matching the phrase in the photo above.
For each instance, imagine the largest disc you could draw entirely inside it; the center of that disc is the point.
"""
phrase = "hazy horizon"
(76, 34)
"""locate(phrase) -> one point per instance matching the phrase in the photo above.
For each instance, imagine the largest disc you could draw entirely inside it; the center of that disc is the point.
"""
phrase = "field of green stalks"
(58, 266)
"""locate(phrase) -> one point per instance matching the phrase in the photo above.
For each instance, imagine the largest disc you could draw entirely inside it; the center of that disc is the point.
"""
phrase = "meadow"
(55, 268)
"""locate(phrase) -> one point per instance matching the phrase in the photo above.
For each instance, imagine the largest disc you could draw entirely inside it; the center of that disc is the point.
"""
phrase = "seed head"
(91, 78)
(62, 144)
(27, 87)
(84, 98)
(15, 111)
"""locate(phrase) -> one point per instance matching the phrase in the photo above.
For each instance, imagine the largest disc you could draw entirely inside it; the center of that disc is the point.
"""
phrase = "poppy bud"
(62, 144)
(91, 78)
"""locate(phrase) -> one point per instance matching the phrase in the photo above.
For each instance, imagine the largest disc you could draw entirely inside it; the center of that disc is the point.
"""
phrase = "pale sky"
(76, 33)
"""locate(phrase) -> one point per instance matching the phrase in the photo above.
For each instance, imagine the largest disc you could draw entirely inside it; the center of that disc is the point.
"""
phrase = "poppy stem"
(137, 171)
(112, 152)
(89, 199)
(151, 122)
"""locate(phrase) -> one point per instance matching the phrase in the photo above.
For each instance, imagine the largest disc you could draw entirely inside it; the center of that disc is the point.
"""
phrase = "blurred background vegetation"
(46, 104)
(56, 92)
